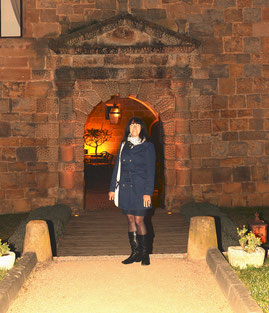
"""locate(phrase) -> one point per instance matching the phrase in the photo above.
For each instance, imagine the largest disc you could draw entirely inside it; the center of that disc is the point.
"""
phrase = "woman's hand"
(147, 201)
(111, 195)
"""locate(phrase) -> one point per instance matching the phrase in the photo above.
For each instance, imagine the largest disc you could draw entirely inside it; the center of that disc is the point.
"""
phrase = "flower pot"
(7, 261)
(239, 258)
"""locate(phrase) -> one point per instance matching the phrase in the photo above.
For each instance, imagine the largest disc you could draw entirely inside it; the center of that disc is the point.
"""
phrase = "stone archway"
(85, 95)
(133, 58)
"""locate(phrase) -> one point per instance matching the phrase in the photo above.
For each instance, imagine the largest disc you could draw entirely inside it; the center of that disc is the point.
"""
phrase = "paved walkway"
(104, 285)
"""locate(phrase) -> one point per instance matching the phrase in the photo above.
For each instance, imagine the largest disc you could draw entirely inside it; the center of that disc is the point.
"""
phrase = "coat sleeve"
(114, 174)
(150, 163)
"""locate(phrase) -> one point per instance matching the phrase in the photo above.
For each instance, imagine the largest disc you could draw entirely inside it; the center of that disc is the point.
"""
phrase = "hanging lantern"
(113, 113)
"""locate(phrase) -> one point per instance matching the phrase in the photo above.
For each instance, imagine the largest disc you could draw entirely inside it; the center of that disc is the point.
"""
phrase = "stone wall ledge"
(232, 287)
(13, 281)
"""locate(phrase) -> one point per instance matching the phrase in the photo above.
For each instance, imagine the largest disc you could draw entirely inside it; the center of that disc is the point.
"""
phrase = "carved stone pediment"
(123, 33)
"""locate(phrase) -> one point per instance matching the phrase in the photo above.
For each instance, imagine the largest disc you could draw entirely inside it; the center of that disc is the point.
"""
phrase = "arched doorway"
(98, 163)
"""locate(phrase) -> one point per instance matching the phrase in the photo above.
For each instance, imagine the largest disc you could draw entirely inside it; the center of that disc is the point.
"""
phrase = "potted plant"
(249, 253)
(7, 257)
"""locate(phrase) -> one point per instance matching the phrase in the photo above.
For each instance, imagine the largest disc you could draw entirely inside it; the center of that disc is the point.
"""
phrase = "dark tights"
(136, 223)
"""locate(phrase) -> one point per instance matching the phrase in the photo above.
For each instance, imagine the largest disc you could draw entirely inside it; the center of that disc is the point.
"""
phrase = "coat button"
(123, 160)
(130, 160)
(123, 185)
(131, 186)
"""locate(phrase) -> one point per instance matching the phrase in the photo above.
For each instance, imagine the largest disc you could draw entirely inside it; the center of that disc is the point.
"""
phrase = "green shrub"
(56, 216)
(226, 229)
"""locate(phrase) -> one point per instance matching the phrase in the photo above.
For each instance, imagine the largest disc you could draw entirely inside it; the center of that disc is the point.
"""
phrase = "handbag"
(117, 188)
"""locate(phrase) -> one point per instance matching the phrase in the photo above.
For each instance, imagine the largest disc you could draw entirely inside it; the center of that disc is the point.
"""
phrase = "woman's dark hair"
(143, 133)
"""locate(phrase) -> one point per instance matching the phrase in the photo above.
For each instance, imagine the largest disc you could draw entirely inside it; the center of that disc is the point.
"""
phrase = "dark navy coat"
(137, 175)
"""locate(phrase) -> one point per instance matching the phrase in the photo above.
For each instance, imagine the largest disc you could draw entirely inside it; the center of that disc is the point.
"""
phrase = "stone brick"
(24, 130)
(230, 161)
(256, 124)
(183, 151)
(16, 75)
(224, 3)
(226, 86)
(23, 105)
(47, 180)
(21, 205)
(236, 70)
(220, 125)
(265, 70)
(244, 3)
(201, 29)
(237, 101)
(219, 102)
(38, 89)
(155, 14)
(182, 177)
(5, 129)
(238, 148)
(233, 15)
(48, 16)
(242, 29)
(106, 4)
(233, 44)
(248, 187)
(252, 45)
(223, 29)
(218, 71)
(17, 167)
(219, 149)
(8, 154)
(182, 126)
(201, 176)
(241, 173)
(9, 181)
(200, 127)
(170, 177)
(243, 85)
(212, 46)
(238, 124)
(244, 113)
(243, 58)
(261, 29)
(232, 188)
(230, 136)
(254, 101)
(260, 84)
(50, 130)
(25, 154)
(47, 30)
(251, 70)
(259, 173)
(222, 175)
(254, 199)
(252, 135)
(265, 14)
(210, 163)
(252, 15)
(228, 113)
(169, 152)
(14, 194)
(67, 130)
(263, 187)
(4, 106)
(200, 150)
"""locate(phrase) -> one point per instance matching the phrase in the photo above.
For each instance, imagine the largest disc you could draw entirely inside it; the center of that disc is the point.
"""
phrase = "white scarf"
(135, 140)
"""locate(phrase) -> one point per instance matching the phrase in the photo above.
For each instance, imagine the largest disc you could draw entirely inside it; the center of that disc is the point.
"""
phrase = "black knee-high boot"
(143, 247)
(135, 254)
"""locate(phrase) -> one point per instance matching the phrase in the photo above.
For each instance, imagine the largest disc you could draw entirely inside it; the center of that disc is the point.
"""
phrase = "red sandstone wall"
(216, 139)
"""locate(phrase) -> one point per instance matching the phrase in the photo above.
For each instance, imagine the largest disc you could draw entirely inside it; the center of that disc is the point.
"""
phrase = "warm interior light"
(169, 212)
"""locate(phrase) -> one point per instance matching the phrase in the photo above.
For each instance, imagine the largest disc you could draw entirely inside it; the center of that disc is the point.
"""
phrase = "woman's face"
(135, 129)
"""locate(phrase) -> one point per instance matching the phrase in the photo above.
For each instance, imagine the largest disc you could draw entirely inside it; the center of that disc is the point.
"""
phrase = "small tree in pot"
(96, 137)
(249, 253)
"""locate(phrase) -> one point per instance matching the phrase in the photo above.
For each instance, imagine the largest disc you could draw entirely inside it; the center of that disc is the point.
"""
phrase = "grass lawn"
(257, 281)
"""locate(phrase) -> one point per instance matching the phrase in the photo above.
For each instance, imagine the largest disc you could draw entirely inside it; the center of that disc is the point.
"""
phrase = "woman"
(136, 185)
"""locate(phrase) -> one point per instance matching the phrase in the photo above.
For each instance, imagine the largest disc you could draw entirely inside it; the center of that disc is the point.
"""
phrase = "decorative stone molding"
(125, 34)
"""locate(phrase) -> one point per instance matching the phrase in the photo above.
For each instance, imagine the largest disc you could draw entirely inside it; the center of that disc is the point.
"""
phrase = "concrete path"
(171, 284)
